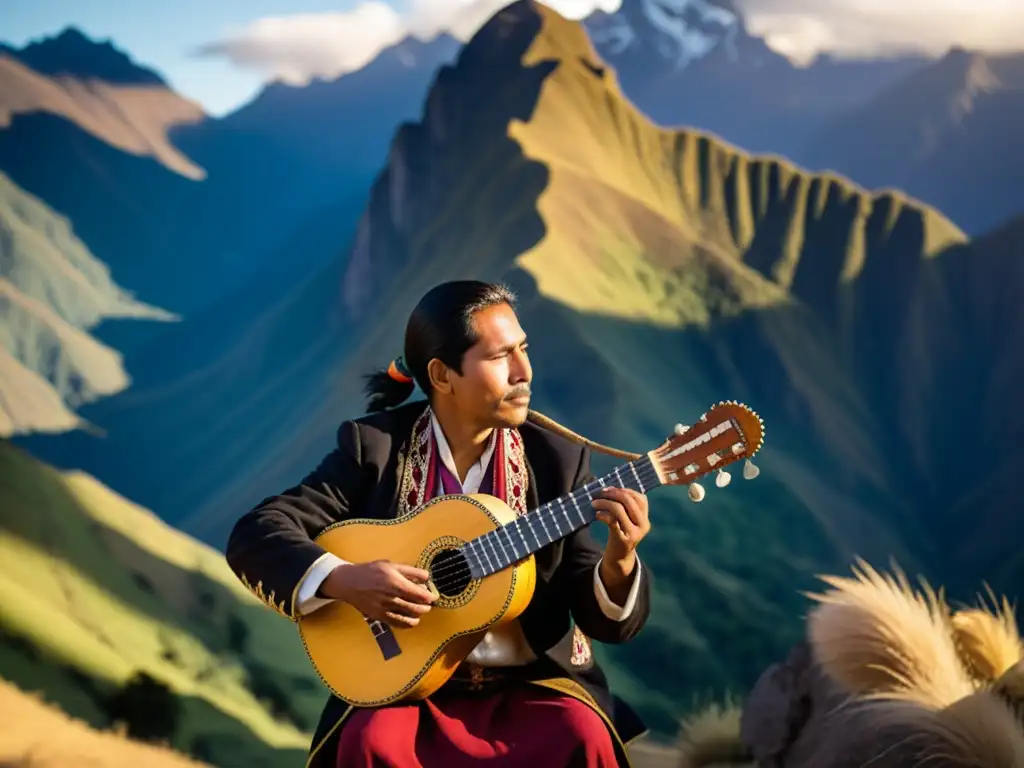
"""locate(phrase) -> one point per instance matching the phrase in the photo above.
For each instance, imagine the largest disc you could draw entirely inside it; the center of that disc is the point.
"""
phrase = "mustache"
(522, 390)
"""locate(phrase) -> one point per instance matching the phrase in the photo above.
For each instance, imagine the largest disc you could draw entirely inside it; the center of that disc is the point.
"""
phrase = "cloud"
(862, 28)
(296, 48)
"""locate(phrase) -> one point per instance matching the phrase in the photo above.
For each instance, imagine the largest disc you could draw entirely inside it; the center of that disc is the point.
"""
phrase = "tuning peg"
(681, 430)
(723, 478)
(696, 492)
(750, 471)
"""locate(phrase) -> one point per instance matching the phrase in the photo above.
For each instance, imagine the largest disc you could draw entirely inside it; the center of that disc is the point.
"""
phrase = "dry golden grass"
(989, 640)
(878, 637)
(134, 119)
(711, 738)
(36, 735)
(909, 660)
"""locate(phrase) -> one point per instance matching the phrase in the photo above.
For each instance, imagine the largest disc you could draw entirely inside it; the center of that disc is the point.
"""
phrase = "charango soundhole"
(449, 571)
(450, 578)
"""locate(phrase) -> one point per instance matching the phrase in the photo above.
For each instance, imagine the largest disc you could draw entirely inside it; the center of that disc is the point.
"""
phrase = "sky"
(221, 52)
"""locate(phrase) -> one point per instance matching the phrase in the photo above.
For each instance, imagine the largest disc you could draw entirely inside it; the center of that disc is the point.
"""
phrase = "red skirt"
(525, 726)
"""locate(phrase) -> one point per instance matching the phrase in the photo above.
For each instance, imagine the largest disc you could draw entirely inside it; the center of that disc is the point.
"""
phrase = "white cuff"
(610, 609)
(307, 601)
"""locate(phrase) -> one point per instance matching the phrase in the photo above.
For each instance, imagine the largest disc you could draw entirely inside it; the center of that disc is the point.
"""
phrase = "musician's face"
(494, 388)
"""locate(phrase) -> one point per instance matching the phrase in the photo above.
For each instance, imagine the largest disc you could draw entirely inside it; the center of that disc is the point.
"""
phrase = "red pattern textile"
(525, 726)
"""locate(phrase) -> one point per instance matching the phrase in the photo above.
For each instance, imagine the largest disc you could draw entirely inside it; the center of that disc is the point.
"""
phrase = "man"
(531, 692)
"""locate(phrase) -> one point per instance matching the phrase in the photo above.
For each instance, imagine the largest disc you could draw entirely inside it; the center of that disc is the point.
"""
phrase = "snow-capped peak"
(682, 31)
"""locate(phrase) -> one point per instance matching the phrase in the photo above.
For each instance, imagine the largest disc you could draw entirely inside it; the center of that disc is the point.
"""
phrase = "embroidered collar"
(475, 474)
(418, 483)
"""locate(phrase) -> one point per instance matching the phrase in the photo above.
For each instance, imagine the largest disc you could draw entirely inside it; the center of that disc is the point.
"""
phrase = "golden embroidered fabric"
(268, 600)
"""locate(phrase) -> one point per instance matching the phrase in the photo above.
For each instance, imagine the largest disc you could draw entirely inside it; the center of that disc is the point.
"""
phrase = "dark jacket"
(271, 549)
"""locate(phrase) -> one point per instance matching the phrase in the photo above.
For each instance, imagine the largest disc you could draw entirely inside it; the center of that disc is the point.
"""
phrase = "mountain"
(659, 271)
(183, 239)
(695, 63)
(103, 604)
(101, 91)
(946, 134)
(53, 291)
(73, 54)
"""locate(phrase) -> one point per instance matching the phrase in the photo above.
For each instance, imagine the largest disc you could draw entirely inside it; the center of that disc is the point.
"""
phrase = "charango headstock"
(728, 432)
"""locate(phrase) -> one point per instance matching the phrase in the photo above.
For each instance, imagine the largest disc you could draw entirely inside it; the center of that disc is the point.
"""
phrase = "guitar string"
(478, 550)
(647, 468)
(460, 569)
(646, 477)
(483, 559)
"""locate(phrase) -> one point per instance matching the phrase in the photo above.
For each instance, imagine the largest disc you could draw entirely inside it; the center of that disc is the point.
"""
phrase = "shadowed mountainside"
(948, 135)
(183, 240)
(53, 292)
(660, 271)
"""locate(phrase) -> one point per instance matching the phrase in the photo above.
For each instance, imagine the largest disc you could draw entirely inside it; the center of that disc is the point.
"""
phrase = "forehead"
(497, 327)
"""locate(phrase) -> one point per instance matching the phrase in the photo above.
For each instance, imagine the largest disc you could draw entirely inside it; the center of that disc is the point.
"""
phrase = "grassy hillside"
(53, 291)
(659, 271)
(41, 736)
(96, 590)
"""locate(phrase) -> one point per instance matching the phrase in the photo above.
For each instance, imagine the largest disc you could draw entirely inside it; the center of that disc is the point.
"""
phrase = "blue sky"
(249, 42)
(162, 34)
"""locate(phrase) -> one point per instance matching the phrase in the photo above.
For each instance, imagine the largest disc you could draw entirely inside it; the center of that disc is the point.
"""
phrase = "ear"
(440, 376)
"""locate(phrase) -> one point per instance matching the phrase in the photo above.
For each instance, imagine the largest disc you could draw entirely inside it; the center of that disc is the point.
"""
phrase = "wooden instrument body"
(341, 644)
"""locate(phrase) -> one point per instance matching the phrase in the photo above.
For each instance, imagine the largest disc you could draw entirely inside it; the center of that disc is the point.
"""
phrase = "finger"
(635, 508)
(414, 593)
(406, 608)
(612, 514)
(412, 573)
(632, 500)
(399, 621)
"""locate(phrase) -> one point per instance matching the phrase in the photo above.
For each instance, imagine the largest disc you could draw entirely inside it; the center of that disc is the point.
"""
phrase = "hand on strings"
(624, 511)
(382, 590)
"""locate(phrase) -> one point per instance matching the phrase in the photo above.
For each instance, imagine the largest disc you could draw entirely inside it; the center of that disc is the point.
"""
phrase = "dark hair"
(440, 326)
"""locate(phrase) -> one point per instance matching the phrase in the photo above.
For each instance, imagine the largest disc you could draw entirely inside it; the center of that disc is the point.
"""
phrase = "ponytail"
(388, 388)
(440, 326)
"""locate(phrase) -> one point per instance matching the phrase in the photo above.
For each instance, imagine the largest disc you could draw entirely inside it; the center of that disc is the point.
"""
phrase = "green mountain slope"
(660, 271)
(53, 291)
(96, 590)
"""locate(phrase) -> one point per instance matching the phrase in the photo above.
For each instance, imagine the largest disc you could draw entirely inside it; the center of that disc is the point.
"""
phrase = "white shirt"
(505, 646)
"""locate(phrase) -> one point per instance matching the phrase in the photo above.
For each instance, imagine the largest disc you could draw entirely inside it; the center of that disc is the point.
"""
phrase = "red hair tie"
(398, 372)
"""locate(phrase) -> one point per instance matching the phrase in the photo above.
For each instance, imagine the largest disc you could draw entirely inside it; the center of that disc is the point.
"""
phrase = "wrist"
(334, 587)
(617, 568)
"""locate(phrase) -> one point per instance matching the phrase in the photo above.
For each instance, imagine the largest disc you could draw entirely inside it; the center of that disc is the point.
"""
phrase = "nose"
(520, 371)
